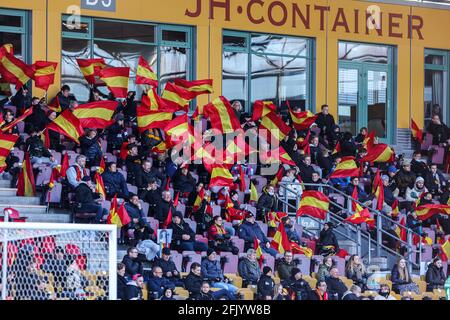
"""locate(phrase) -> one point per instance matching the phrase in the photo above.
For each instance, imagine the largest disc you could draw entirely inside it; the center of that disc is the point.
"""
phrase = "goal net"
(43, 261)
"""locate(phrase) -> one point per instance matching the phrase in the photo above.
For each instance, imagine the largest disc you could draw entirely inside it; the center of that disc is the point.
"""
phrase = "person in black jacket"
(266, 285)
(435, 276)
(38, 153)
(418, 166)
(117, 134)
(183, 181)
(152, 195)
(132, 263)
(121, 281)
(336, 288)
(438, 130)
(133, 290)
(193, 281)
(145, 175)
(435, 181)
(8, 118)
(38, 119)
(353, 294)
(328, 243)
(130, 106)
(183, 237)
(267, 202)
(90, 147)
(348, 147)
(64, 97)
(205, 294)
(55, 137)
(306, 169)
(168, 267)
(163, 208)
(114, 182)
(298, 285)
(88, 201)
(21, 100)
(325, 121)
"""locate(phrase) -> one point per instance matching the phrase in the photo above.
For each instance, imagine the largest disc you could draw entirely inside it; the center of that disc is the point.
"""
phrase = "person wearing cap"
(183, 237)
(328, 243)
(157, 283)
(134, 288)
(266, 285)
(249, 269)
(405, 178)
(117, 133)
(168, 267)
(183, 181)
(88, 201)
(249, 230)
(115, 183)
(212, 271)
(297, 285)
(392, 172)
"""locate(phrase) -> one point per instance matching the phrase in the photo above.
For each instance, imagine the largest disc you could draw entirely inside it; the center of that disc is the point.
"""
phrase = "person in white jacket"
(413, 194)
(291, 183)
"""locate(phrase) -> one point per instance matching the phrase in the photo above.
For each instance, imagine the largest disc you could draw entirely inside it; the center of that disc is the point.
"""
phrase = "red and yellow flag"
(7, 142)
(380, 152)
(262, 109)
(275, 125)
(198, 199)
(148, 119)
(222, 116)
(276, 156)
(416, 131)
(68, 125)
(90, 68)
(298, 249)
(346, 168)
(54, 105)
(221, 177)
(401, 230)
(179, 130)
(120, 216)
(145, 74)
(337, 149)
(168, 220)
(176, 97)
(360, 217)
(314, 204)
(45, 138)
(369, 140)
(44, 74)
(445, 249)
(99, 185)
(64, 165)
(117, 80)
(13, 123)
(14, 70)
(302, 120)
(280, 241)
(160, 148)
(26, 186)
(253, 193)
(259, 253)
(426, 211)
(102, 166)
(96, 115)
(197, 87)
(155, 103)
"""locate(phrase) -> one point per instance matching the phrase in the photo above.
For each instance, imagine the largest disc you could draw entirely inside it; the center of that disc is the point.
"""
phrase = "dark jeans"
(94, 208)
(193, 246)
(223, 294)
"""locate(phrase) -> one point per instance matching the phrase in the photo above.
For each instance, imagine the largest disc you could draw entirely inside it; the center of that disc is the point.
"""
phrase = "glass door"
(349, 99)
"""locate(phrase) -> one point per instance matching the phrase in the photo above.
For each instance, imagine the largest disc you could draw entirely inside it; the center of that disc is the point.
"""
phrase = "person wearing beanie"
(297, 285)
(415, 193)
(266, 285)
(392, 173)
(212, 271)
(88, 201)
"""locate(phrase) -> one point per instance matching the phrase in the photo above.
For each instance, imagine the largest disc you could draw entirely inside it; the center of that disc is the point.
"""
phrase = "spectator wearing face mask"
(384, 293)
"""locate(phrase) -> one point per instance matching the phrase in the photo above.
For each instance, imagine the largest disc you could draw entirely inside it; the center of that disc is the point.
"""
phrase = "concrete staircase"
(30, 206)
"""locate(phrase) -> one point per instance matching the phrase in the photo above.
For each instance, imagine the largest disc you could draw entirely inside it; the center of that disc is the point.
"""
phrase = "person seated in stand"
(361, 135)
(134, 288)
(286, 265)
(183, 238)
(121, 281)
(356, 271)
(297, 285)
(117, 134)
(328, 244)
(290, 230)
(435, 181)
(353, 294)
(306, 169)
(415, 193)
(168, 267)
(336, 288)
(249, 269)
(401, 279)
(88, 201)
(324, 268)
(168, 294)
(320, 293)
(198, 287)
(114, 182)
(292, 188)
(183, 181)
(405, 178)
(132, 262)
(203, 215)
(249, 230)
(219, 238)
(146, 174)
(418, 165)
(145, 239)
(315, 180)
(435, 276)
(363, 197)
(414, 223)
(38, 153)
(78, 171)
(212, 271)
(384, 293)
(157, 284)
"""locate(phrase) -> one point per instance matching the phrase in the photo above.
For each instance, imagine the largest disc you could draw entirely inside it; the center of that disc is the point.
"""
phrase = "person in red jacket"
(219, 238)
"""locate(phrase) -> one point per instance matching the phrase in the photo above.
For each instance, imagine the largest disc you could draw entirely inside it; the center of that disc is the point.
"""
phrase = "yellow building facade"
(342, 79)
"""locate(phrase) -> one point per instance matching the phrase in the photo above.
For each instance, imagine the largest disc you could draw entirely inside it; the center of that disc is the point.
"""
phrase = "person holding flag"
(249, 230)
(87, 201)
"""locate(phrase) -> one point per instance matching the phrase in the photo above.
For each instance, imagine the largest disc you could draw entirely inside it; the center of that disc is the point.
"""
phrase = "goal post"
(48, 261)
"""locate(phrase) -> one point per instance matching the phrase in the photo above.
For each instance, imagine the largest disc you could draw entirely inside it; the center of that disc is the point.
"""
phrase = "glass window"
(77, 27)
(73, 49)
(234, 77)
(363, 52)
(11, 20)
(124, 31)
(15, 39)
(174, 36)
(434, 59)
(274, 68)
(348, 99)
(174, 64)
(377, 102)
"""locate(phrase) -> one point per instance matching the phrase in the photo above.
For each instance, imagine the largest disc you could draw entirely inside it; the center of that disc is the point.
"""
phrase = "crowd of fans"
(156, 177)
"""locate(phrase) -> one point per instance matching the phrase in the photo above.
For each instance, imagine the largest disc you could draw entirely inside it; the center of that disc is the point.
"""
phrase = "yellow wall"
(410, 68)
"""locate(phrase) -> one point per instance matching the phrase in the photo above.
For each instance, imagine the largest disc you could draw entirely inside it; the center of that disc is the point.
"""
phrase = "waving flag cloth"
(337, 149)
(168, 220)
(90, 68)
(426, 211)
(416, 131)
(276, 180)
(314, 204)
(369, 140)
(253, 193)
(198, 199)
(44, 74)
(14, 70)
(145, 74)
(179, 130)
(8, 47)
(96, 115)
(259, 252)
(117, 80)
(262, 109)
(401, 230)
(303, 143)
(361, 216)
(222, 116)
(54, 105)
(298, 249)
(68, 125)
(147, 119)
(445, 251)
(275, 126)
(379, 194)
(280, 240)
(380, 152)
(276, 156)
(64, 165)
(346, 168)
(7, 142)
(12, 124)
(155, 103)
(176, 97)
(120, 216)
(99, 185)
(302, 120)
(221, 177)
(197, 87)
(26, 186)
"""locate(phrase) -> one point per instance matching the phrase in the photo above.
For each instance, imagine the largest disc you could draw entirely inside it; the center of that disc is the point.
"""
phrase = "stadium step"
(5, 183)
(7, 192)
(35, 213)
(14, 200)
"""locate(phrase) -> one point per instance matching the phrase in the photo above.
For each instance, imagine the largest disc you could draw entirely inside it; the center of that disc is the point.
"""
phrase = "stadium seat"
(177, 258)
(181, 208)
(191, 258)
(154, 224)
(55, 194)
(239, 243)
(216, 210)
(340, 264)
(269, 261)
(264, 227)
(304, 263)
(43, 177)
(231, 264)
(132, 189)
(236, 280)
